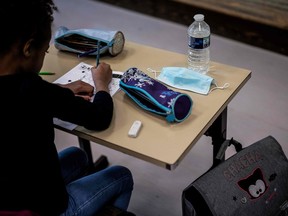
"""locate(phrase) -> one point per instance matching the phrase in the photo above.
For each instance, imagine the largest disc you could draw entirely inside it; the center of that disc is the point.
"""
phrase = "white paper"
(82, 71)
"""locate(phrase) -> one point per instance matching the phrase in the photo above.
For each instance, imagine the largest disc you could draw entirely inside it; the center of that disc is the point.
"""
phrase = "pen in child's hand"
(87, 53)
(98, 53)
(98, 49)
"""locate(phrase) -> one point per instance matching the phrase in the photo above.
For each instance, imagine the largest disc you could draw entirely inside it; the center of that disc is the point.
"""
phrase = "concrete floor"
(259, 110)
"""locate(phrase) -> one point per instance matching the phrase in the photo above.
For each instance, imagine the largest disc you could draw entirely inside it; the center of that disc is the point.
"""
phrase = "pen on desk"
(46, 73)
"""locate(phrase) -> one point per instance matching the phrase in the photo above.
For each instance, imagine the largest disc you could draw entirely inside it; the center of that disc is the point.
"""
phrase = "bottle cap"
(199, 17)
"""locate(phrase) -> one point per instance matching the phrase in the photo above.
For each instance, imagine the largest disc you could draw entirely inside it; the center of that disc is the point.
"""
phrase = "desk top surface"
(158, 142)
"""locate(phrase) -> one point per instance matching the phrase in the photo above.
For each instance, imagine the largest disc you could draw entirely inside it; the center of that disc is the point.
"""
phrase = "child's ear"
(28, 48)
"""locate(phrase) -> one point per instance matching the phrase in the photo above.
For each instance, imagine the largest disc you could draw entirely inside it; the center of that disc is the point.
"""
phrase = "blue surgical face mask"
(186, 79)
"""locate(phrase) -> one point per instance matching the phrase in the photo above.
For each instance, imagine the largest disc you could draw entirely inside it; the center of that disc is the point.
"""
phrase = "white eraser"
(135, 128)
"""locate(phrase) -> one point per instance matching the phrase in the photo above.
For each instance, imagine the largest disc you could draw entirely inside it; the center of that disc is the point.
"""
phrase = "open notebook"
(82, 72)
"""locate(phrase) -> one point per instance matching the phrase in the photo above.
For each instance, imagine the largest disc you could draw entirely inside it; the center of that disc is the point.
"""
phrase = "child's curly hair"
(23, 19)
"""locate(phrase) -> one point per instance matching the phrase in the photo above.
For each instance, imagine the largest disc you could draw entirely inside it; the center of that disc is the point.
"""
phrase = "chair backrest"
(254, 182)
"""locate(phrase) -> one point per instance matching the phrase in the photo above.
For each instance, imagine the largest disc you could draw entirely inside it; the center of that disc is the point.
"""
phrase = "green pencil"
(46, 73)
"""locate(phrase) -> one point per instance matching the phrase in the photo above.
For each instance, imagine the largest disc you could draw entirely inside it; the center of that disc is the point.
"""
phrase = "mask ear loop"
(153, 71)
(226, 85)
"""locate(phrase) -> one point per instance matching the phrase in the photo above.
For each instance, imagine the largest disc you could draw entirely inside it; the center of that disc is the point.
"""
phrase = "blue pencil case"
(88, 41)
(155, 97)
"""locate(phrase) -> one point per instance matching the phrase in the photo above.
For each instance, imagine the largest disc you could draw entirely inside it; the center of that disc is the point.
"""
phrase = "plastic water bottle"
(199, 45)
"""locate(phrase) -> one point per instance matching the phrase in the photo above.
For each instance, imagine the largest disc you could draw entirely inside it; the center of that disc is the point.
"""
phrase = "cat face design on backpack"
(254, 184)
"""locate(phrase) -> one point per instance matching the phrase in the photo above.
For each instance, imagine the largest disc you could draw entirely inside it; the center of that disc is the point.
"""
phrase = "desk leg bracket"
(217, 131)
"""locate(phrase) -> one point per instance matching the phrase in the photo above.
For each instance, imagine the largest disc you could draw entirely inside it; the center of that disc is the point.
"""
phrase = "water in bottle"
(199, 45)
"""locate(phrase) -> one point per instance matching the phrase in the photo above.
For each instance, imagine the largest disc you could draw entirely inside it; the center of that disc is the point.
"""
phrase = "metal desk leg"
(102, 161)
(217, 131)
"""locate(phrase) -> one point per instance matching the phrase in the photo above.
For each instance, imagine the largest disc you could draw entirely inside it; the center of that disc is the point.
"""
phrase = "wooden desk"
(158, 142)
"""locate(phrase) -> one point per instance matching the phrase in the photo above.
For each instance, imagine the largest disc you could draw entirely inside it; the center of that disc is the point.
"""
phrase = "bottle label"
(199, 43)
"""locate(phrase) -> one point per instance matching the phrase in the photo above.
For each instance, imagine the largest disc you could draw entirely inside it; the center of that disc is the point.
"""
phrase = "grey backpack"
(254, 181)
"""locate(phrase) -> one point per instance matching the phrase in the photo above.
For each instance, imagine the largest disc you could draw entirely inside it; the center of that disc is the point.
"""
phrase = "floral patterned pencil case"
(153, 96)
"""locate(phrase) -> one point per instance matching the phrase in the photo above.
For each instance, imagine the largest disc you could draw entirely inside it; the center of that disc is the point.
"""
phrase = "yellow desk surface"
(158, 142)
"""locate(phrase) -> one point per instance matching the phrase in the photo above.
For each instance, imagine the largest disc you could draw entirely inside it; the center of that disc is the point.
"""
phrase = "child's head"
(26, 27)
